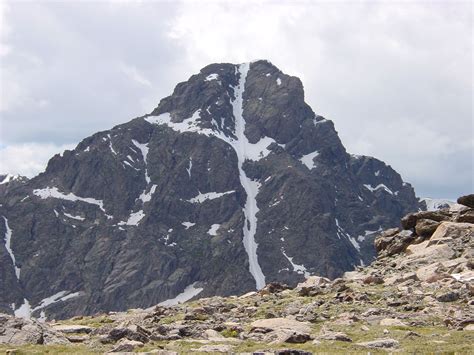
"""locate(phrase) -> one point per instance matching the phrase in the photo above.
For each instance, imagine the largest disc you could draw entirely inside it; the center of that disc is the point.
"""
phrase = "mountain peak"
(230, 183)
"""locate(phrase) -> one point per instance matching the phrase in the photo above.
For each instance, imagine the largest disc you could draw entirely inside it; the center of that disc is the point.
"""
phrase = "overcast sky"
(395, 77)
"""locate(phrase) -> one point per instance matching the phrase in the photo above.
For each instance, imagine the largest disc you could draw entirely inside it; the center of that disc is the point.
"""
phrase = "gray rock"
(449, 296)
(19, 331)
(385, 343)
(337, 336)
(467, 200)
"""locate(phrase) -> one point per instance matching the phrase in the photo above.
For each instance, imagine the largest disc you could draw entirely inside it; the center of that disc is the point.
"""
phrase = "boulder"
(396, 279)
(214, 349)
(466, 216)
(286, 336)
(467, 200)
(274, 287)
(451, 230)
(448, 296)
(383, 240)
(373, 279)
(410, 220)
(312, 281)
(395, 243)
(385, 343)
(336, 336)
(426, 227)
(281, 323)
(392, 322)
(69, 329)
(125, 345)
(19, 331)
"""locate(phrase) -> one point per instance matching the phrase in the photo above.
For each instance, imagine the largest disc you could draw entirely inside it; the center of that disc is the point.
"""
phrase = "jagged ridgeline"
(230, 183)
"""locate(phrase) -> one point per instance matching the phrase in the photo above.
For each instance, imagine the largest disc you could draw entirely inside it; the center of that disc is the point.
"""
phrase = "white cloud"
(28, 159)
(396, 77)
(132, 73)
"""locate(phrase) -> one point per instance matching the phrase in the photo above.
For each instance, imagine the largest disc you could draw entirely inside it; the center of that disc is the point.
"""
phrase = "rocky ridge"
(416, 296)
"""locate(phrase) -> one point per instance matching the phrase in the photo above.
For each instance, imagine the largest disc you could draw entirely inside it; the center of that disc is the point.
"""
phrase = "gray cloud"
(396, 78)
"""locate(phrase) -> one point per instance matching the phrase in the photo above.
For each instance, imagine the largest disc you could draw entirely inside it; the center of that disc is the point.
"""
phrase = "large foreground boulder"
(19, 331)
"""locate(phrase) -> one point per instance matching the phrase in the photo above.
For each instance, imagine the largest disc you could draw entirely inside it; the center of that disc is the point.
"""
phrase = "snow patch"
(213, 229)
(24, 311)
(253, 152)
(134, 219)
(188, 225)
(189, 292)
(433, 204)
(278, 81)
(209, 196)
(308, 159)
(211, 77)
(53, 192)
(146, 196)
(58, 297)
(9, 178)
(300, 269)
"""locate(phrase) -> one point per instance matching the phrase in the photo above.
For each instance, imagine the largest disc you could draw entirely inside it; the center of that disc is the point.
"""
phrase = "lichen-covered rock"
(385, 343)
(426, 227)
(19, 331)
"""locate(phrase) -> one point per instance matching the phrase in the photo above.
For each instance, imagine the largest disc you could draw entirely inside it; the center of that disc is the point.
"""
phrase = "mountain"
(433, 204)
(229, 183)
(419, 288)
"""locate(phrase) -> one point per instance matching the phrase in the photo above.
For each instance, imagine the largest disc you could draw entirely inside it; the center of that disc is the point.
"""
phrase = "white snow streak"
(55, 193)
(8, 240)
(189, 292)
(308, 159)
(244, 150)
(278, 81)
(300, 269)
(110, 145)
(190, 166)
(209, 196)
(144, 149)
(243, 147)
(379, 186)
(79, 218)
(58, 297)
(188, 225)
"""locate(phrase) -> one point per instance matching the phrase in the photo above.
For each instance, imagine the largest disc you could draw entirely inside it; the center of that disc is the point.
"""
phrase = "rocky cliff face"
(230, 183)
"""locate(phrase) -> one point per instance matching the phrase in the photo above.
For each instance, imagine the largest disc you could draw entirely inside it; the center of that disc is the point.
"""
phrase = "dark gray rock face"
(230, 182)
